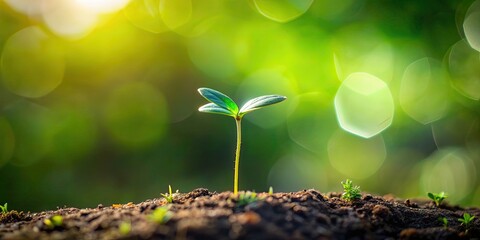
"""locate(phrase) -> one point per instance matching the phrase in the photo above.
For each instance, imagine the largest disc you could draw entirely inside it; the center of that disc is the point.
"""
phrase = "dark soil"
(201, 214)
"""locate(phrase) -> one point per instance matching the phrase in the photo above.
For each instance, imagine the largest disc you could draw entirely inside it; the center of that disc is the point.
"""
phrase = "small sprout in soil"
(53, 222)
(224, 105)
(270, 190)
(125, 228)
(160, 215)
(247, 198)
(444, 221)
(466, 220)
(4, 209)
(169, 196)
(437, 197)
(350, 192)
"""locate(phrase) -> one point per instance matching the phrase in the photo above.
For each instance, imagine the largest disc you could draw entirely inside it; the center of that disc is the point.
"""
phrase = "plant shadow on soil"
(201, 214)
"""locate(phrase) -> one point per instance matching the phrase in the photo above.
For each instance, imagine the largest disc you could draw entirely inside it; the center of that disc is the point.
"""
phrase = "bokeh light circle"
(146, 15)
(68, 19)
(364, 105)
(356, 157)
(32, 63)
(282, 10)
(104, 6)
(424, 91)
(175, 13)
(464, 68)
(471, 28)
(450, 170)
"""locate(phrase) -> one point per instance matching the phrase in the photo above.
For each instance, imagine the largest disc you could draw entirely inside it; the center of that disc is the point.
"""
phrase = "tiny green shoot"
(270, 190)
(4, 209)
(444, 221)
(160, 215)
(350, 192)
(169, 196)
(466, 220)
(437, 197)
(125, 228)
(53, 222)
(247, 198)
(224, 105)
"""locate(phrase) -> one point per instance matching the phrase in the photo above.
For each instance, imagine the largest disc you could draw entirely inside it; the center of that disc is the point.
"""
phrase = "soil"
(201, 214)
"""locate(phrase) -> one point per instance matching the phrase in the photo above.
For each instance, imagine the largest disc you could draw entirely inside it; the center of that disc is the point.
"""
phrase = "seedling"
(224, 105)
(270, 190)
(4, 209)
(53, 222)
(169, 196)
(160, 215)
(350, 192)
(437, 197)
(466, 220)
(247, 198)
(444, 221)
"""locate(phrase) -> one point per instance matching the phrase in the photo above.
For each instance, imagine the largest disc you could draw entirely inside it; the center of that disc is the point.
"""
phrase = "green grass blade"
(260, 102)
(220, 99)
(214, 108)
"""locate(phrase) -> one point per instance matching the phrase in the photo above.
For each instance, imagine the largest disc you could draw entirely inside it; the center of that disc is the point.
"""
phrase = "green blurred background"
(98, 100)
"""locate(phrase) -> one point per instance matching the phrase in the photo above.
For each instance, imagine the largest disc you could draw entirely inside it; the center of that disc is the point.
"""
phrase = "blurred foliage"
(98, 100)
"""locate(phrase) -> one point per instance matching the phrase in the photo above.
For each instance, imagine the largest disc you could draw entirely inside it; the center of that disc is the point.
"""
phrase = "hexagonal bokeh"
(281, 10)
(424, 90)
(471, 25)
(364, 105)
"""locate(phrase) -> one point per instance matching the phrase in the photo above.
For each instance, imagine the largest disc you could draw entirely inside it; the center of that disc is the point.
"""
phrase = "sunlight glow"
(105, 6)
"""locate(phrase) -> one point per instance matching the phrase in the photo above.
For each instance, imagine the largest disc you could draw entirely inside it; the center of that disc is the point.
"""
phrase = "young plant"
(437, 197)
(270, 190)
(350, 192)
(466, 220)
(247, 198)
(444, 221)
(224, 105)
(53, 222)
(4, 209)
(169, 196)
(160, 215)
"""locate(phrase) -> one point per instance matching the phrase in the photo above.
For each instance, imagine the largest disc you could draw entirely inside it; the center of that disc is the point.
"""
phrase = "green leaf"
(214, 108)
(219, 99)
(430, 195)
(260, 102)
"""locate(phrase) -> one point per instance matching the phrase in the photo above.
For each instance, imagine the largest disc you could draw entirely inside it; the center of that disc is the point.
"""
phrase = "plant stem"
(237, 154)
